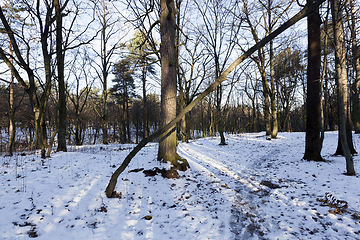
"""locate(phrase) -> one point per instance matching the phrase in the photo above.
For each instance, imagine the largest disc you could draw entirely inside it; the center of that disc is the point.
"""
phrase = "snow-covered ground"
(251, 188)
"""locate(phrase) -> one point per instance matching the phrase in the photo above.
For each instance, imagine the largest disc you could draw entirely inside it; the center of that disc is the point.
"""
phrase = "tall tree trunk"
(323, 75)
(275, 123)
(356, 62)
(254, 124)
(183, 126)
(123, 120)
(128, 119)
(12, 128)
(77, 128)
(266, 91)
(313, 144)
(61, 79)
(145, 113)
(168, 141)
(211, 117)
(105, 137)
(219, 116)
(341, 76)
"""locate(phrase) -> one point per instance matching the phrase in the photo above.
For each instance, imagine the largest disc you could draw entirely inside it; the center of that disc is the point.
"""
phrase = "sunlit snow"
(251, 188)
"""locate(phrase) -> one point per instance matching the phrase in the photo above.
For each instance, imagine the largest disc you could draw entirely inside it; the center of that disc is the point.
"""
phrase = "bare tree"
(342, 82)
(22, 59)
(304, 12)
(356, 66)
(272, 12)
(140, 53)
(61, 77)
(12, 16)
(218, 29)
(110, 42)
(79, 96)
(288, 72)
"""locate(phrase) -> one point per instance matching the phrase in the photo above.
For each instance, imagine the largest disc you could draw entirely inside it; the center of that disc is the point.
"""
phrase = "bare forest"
(78, 72)
(243, 107)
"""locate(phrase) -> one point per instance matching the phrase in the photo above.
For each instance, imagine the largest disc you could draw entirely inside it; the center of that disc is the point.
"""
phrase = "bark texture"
(313, 144)
(168, 141)
(61, 79)
(341, 77)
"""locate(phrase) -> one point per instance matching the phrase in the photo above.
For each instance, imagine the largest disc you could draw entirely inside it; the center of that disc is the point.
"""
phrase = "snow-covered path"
(251, 188)
(275, 191)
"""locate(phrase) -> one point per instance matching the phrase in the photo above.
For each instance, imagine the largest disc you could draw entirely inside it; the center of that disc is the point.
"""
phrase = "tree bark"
(12, 128)
(219, 116)
(61, 79)
(275, 123)
(341, 77)
(304, 12)
(144, 101)
(266, 92)
(168, 141)
(105, 137)
(356, 62)
(313, 144)
(104, 65)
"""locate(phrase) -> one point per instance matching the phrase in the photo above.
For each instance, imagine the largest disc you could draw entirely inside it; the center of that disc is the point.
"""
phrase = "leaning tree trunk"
(313, 144)
(341, 76)
(304, 12)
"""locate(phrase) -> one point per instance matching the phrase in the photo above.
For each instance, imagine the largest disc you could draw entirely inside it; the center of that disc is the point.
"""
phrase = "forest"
(80, 74)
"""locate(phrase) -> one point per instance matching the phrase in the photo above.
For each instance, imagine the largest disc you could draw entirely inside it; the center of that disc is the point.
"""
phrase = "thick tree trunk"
(313, 144)
(168, 141)
(356, 62)
(341, 76)
(275, 123)
(61, 79)
(266, 92)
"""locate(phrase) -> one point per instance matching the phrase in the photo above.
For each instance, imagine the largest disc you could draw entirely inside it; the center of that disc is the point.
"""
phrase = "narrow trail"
(251, 167)
(238, 172)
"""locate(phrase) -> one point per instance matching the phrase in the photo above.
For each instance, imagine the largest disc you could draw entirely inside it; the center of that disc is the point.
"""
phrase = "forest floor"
(251, 188)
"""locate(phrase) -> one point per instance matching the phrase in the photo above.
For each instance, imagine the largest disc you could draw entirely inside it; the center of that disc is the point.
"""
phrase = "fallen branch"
(303, 13)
